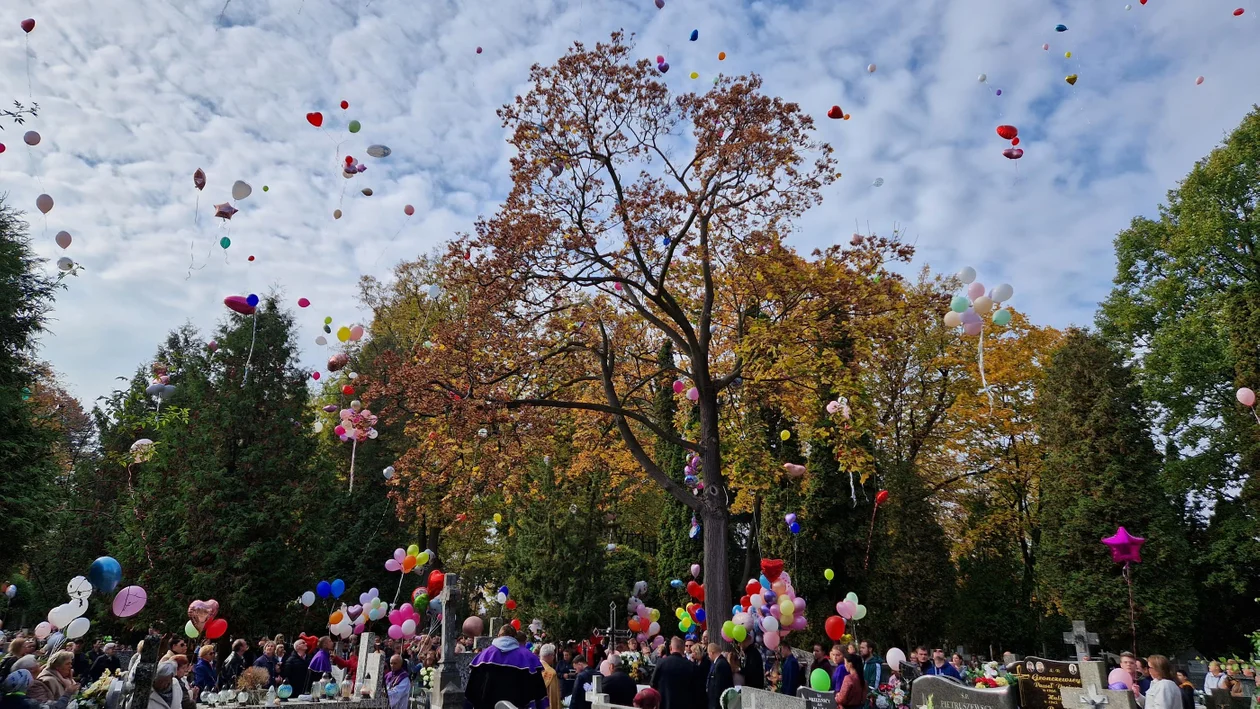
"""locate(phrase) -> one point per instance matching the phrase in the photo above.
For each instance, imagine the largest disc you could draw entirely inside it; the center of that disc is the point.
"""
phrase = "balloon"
(1246, 397)
(225, 210)
(409, 627)
(130, 601)
(31, 138)
(409, 210)
(870, 68)
(239, 304)
(959, 304)
(894, 657)
(395, 632)
(241, 190)
(953, 318)
(315, 118)
(1070, 78)
(323, 589)
(28, 25)
(78, 627)
(388, 472)
(693, 394)
(982, 78)
(225, 242)
(819, 680)
(829, 574)
(1060, 28)
(343, 333)
(835, 113)
(967, 275)
(771, 639)
(1125, 547)
(834, 627)
(437, 579)
(1002, 317)
(983, 304)
(784, 435)
(355, 126)
(43, 630)
(408, 564)
(1003, 293)
(1198, 81)
(860, 613)
(190, 630)
(881, 497)
(216, 628)
(695, 570)
(739, 633)
(338, 588)
(1239, 12)
(44, 203)
(516, 623)
(105, 573)
(1120, 677)
(1007, 133)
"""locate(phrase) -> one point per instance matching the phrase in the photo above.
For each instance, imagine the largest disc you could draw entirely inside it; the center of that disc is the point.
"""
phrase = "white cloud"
(136, 96)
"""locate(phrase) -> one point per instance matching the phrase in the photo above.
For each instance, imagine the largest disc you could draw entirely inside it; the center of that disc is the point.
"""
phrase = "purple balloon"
(789, 517)
(971, 316)
(999, 93)
(130, 601)
(660, 4)
(972, 328)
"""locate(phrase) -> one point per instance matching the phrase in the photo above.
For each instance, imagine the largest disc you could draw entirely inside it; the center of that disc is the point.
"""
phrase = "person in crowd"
(235, 664)
(720, 678)
(837, 661)
(852, 694)
(16, 685)
(647, 699)
(821, 660)
(551, 678)
(205, 678)
(1187, 689)
(618, 684)
(506, 671)
(166, 694)
(581, 678)
(296, 669)
(921, 658)
(107, 661)
(700, 657)
(397, 683)
(178, 646)
(1215, 676)
(82, 663)
(1141, 677)
(267, 661)
(790, 675)
(321, 663)
(872, 668)
(17, 648)
(182, 669)
(938, 666)
(959, 664)
(1163, 692)
(57, 679)
(564, 668)
(754, 671)
(674, 678)
(282, 644)
(1128, 663)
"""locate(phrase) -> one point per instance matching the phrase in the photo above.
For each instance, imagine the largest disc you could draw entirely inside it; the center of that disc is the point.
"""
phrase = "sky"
(135, 96)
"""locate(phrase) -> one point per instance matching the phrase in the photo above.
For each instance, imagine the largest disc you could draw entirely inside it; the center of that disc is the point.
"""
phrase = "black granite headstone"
(815, 699)
(1040, 680)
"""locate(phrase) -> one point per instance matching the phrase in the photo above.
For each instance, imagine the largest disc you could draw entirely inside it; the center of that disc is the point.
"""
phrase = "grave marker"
(944, 693)
(815, 699)
(1080, 639)
(1040, 680)
(448, 689)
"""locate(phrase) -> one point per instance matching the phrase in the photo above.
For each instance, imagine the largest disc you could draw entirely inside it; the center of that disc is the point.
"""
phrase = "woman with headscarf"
(17, 684)
(166, 694)
(57, 679)
(398, 683)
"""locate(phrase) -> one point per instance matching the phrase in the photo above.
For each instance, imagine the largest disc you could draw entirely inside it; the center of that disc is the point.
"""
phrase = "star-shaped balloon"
(225, 210)
(1125, 547)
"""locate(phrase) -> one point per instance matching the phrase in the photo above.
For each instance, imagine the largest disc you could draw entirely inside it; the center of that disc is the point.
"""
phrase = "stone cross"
(448, 690)
(1081, 639)
(145, 669)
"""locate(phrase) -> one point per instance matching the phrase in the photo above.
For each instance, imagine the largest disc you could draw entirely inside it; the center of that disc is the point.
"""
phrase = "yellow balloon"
(413, 550)
(498, 518)
(343, 333)
(655, 615)
(424, 558)
(1068, 55)
(784, 435)
(679, 613)
(695, 75)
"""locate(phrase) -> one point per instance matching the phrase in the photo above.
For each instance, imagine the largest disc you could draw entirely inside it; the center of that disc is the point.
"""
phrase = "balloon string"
(983, 381)
(869, 534)
(250, 357)
(401, 576)
(29, 93)
(852, 490)
(354, 447)
(1253, 413)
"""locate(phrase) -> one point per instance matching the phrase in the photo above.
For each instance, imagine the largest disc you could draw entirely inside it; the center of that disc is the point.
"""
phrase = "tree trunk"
(717, 582)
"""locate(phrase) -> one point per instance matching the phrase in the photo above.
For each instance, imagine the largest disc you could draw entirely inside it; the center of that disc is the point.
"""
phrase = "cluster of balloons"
(203, 618)
(503, 597)
(691, 619)
(839, 406)
(325, 589)
(848, 609)
(403, 622)
(66, 620)
(693, 394)
(966, 310)
(407, 560)
(347, 621)
(769, 606)
(1011, 133)
(356, 423)
(793, 525)
(372, 604)
(161, 386)
(691, 473)
(245, 305)
(10, 590)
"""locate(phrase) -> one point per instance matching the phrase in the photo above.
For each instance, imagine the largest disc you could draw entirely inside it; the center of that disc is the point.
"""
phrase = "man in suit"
(753, 669)
(720, 677)
(578, 700)
(674, 678)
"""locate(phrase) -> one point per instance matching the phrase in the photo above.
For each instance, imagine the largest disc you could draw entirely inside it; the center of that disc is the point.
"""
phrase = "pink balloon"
(1246, 397)
(1119, 676)
(975, 290)
(771, 639)
(392, 565)
(972, 328)
(695, 570)
(395, 632)
(679, 386)
(399, 554)
(799, 603)
(693, 394)
(130, 601)
(799, 622)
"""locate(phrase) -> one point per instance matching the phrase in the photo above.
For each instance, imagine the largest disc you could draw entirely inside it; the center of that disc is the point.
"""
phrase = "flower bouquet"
(93, 696)
(426, 677)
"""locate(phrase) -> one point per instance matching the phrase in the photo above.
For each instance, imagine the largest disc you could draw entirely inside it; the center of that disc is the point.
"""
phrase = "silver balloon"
(379, 151)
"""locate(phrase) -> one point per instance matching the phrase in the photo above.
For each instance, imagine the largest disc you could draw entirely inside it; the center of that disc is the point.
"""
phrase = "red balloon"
(303, 303)
(345, 105)
(834, 627)
(1007, 132)
(881, 497)
(835, 113)
(745, 601)
(436, 580)
(347, 390)
(772, 568)
(1239, 12)
(315, 118)
(409, 210)
(753, 588)
(1014, 141)
(216, 628)
(516, 623)
(511, 604)
(315, 376)
(239, 304)
(27, 25)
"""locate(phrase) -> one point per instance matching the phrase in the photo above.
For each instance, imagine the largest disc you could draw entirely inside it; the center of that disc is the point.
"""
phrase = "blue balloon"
(503, 590)
(252, 299)
(700, 615)
(695, 34)
(676, 583)
(323, 589)
(765, 582)
(737, 609)
(105, 573)
(435, 604)
(795, 527)
(1060, 28)
(338, 588)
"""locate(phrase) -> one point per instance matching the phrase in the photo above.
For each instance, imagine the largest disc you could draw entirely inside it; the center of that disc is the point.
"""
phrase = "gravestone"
(760, 699)
(448, 688)
(373, 673)
(1040, 680)
(367, 644)
(943, 693)
(815, 699)
(1095, 698)
(1080, 639)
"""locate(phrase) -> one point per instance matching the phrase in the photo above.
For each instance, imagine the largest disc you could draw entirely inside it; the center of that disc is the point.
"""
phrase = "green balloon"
(959, 304)
(1002, 317)
(355, 126)
(225, 242)
(829, 574)
(819, 680)
(266, 188)
(740, 633)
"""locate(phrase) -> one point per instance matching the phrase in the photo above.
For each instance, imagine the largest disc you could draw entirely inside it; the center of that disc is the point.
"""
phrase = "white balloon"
(1003, 292)
(352, 375)
(321, 340)
(79, 586)
(409, 627)
(770, 624)
(895, 657)
(953, 319)
(982, 78)
(60, 616)
(78, 628)
(870, 68)
(372, 433)
(435, 291)
(967, 275)
(78, 607)
(241, 190)
(318, 427)
(983, 304)
(389, 472)
(65, 263)
(308, 598)
(43, 630)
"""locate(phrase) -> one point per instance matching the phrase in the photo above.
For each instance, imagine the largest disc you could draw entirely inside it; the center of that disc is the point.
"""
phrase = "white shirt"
(1213, 681)
(1163, 694)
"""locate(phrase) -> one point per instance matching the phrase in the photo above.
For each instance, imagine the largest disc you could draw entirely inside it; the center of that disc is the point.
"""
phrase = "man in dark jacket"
(296, 670)
(618, 686)
(675, 679)
(234, 665)
(82, 664)
(790, 675)
(577, 700)
(720, 677)
(752, 668)
(505, 671)
(107, 662)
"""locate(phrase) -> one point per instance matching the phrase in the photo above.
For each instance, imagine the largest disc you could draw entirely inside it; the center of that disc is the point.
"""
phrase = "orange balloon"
(634, 624)
(721, 56)
(409, 563)
(335, 618)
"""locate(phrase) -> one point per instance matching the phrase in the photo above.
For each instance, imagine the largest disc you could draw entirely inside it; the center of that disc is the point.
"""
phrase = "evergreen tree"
(1102, 471)
(676, 551)
(27, 465)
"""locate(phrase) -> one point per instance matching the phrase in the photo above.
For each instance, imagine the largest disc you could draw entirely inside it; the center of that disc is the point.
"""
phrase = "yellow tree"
(636, 217)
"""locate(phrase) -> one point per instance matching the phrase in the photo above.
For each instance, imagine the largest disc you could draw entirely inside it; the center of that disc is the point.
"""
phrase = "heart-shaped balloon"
(835, 113)
(437, 579)
(312, 642)
(202, 612)
(772, 568)
(315, 118)
(354, 611)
